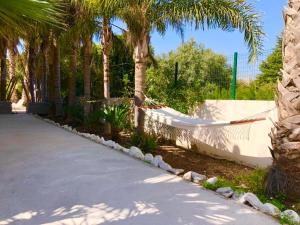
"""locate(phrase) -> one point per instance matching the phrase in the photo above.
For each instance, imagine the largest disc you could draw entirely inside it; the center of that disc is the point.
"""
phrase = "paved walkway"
(51, 176)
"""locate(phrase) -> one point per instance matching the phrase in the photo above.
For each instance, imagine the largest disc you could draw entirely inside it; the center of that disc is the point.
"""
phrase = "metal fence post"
(234, 73)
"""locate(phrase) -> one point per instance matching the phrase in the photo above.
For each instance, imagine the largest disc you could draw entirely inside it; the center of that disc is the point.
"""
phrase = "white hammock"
(171, 123)
(177, 119)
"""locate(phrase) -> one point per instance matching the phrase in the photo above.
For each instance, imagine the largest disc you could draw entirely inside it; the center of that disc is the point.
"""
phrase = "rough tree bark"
(45, 68)
(57, 79)
(141, 53)
(107, 45)
(87, 45)
(284, 176)
(12, 65)
(72, 75)
(3, 70)
(31, 69)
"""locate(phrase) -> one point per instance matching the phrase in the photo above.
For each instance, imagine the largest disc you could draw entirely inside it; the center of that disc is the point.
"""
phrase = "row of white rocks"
(157, 161)
(245, 198)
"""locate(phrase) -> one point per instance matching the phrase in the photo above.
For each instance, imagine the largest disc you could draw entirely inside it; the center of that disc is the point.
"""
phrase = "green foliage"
(287, 221)
(249, 182)
(116, 115)
(270, 68)
(76, 113)
(220, 183)
(223, 14)
(146, 142)
(121, 70)
(19, 15)
(94, 118)
(201, 72)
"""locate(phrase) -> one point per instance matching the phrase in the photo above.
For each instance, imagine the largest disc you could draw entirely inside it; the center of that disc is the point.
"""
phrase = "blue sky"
(228, 42)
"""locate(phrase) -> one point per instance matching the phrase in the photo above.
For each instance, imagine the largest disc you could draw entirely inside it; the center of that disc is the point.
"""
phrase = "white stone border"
(157, 161)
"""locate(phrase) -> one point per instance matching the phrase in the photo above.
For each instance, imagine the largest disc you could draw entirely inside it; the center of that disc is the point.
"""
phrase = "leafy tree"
(270, 68)
(201, 73)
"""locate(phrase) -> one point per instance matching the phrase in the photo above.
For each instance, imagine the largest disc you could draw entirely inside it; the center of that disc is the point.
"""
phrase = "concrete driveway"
(51, 176)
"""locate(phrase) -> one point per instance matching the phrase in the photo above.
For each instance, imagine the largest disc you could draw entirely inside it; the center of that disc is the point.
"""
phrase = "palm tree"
(87, 49)
(95, 10)
(3, 49)
(73, 72)
(12, 50)
(71, 39)
(284, 176)
(144, 16)
(58, 104)
(45, 67)
(107, 45)
(86, 25)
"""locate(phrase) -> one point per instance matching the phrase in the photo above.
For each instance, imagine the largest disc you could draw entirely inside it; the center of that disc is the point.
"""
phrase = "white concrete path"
(51, 176)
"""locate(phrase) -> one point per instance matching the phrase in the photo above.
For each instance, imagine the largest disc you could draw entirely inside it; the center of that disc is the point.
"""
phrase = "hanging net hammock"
(172, 124)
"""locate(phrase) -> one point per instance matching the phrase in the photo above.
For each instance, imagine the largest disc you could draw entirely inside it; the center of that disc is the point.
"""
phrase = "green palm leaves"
(159, 15)
(19, 14)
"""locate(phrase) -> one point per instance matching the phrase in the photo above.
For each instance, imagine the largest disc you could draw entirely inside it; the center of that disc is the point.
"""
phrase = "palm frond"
(224, 14)
(19, 14)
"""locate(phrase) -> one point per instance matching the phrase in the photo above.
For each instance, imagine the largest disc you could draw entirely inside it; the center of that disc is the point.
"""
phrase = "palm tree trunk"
(45, 68)
(12, 66)
(72, 75)
(57, 81)
(31, 69)
(284, 177)
(3, 70)
(107, 45)
(87, 43)
(141, 52)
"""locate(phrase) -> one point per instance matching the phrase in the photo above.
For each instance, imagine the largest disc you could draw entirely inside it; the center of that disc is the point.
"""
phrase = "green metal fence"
(243, 85)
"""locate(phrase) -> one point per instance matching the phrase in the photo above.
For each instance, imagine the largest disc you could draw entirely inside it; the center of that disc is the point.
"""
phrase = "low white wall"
(246, 144)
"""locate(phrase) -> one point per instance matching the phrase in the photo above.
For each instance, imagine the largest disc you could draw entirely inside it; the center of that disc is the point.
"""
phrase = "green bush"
(75, 112)
(147, 143)
(116, 115)
(93, 118)
(253, 181)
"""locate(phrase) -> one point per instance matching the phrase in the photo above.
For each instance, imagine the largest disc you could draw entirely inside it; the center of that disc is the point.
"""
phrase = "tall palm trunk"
(3, 70)
(12, 66)
(284, 177)
(107, 45)
(45, 68)
(141, 52)
(31, 69)
(72, 75)
(57, 80)
(87, 45)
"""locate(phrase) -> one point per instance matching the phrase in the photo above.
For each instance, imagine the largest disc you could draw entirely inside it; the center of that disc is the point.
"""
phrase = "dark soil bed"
(193, 161)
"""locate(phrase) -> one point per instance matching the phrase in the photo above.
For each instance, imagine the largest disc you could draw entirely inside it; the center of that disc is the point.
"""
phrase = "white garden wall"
(246, 144)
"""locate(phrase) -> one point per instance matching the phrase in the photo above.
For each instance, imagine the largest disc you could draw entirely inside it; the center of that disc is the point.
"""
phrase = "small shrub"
(75, 113)
(116, 115)
(221, 183)
(117, 118)
(147, 143)
(93, 118)
(252, 182)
